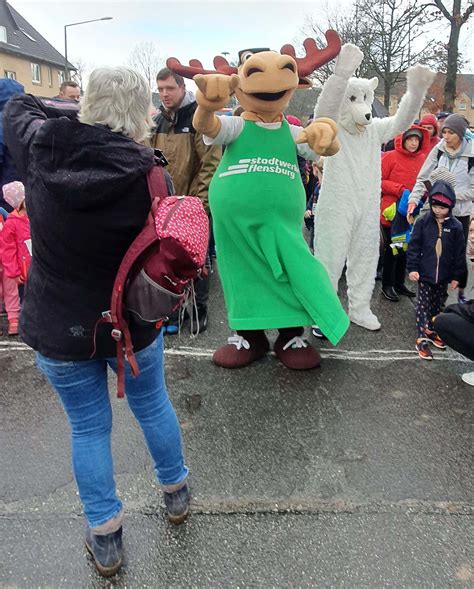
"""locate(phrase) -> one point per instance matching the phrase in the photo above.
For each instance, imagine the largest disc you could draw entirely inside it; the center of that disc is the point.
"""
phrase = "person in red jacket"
(430, 123)
(16, 239)
(8, 290)
(400, 168)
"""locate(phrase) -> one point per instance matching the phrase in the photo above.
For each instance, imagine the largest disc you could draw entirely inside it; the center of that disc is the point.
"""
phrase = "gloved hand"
(403, 202)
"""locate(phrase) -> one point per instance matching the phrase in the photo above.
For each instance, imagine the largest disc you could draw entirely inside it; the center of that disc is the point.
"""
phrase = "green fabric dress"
(270, 278)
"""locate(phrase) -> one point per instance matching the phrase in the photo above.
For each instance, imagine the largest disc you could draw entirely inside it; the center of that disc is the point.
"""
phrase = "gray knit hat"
(457, 124)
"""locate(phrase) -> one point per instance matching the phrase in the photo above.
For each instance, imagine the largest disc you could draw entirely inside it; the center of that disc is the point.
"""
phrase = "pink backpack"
(156, 273)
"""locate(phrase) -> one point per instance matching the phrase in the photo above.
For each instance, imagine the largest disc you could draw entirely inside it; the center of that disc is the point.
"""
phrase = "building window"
(10, 75)
(3, 35)
(50, 77)
(61, 77)
(462, 106)
(36, 73)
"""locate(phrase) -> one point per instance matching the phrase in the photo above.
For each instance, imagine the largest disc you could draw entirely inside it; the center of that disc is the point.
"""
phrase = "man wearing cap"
(441, 117)
(455, 152)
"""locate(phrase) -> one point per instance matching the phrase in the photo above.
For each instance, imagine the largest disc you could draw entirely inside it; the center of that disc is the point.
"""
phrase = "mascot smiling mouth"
(269, 96)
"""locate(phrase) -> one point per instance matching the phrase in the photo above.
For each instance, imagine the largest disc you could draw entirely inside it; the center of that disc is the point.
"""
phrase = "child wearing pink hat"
(15, 251)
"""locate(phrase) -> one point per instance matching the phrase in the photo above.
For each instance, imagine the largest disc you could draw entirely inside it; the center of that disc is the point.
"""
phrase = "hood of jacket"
(440, 187)
(85, 166)
(424, 143)
(9, 88)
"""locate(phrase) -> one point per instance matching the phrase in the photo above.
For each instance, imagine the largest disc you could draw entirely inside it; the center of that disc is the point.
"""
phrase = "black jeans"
(394, 267)
(457, 332)
(465, 221)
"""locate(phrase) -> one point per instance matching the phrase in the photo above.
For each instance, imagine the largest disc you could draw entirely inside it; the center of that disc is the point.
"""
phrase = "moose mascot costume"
(269, 277)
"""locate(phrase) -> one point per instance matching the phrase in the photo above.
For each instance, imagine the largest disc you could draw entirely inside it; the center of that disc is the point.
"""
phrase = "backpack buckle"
(107, 315)
(116, 334)
(160, 158)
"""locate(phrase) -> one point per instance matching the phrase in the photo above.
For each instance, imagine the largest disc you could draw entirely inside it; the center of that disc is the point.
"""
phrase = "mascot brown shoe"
(242, 349)
(295, 352)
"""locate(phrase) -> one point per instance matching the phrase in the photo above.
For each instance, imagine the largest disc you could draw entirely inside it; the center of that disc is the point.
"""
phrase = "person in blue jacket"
(436, 256)
(8, 173)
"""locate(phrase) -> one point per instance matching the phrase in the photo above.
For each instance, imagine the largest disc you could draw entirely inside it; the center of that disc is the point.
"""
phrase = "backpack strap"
(120, 331)
(157, 187)
(158, 190)
(470, 160)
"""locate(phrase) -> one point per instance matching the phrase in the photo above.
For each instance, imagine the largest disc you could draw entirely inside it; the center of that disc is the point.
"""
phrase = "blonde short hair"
(119, 98)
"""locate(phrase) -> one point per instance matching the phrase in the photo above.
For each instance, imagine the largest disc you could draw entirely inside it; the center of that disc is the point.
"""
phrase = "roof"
(378, 109)
(23, 39)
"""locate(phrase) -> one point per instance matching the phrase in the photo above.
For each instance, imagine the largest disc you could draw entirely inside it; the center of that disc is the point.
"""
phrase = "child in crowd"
(15, 249)
(9, 297)
(315, 186)
(436, 256)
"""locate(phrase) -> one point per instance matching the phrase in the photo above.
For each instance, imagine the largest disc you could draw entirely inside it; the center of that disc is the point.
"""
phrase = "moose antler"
(195, 67)
(314, 57)
(306, 65)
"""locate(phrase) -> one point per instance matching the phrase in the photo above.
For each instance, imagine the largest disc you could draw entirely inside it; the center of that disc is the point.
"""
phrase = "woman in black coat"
(87, 199)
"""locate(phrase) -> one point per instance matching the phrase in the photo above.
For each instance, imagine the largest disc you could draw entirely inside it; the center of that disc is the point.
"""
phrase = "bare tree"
(82, 70)
(389, 33)
(145, 59)
(457, 17)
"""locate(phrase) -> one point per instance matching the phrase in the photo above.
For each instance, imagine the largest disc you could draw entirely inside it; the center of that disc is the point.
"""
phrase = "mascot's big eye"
(352, 98)
(289, 66)
(253, 70)
(365, 97)
(245, 56)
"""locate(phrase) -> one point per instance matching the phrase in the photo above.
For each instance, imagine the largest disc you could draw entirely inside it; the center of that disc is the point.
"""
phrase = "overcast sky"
(183, 29)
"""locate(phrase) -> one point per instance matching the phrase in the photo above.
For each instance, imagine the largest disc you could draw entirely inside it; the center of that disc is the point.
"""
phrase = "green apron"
(269, 277)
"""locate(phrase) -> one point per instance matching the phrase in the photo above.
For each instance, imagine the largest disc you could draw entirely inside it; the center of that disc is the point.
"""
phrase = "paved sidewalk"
(355, 475)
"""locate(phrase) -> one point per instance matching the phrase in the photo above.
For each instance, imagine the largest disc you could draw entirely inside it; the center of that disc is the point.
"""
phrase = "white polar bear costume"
(348, 210)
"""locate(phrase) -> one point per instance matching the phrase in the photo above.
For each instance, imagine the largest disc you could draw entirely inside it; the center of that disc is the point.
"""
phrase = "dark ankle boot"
(390, 294)
(242, 349)
(106, 550)
(295, 352)
(177, 505)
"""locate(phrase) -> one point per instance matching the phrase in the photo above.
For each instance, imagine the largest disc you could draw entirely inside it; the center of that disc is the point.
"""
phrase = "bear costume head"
(356, 112)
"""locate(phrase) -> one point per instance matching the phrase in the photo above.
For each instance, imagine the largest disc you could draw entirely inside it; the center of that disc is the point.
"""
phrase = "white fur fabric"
(347, 213)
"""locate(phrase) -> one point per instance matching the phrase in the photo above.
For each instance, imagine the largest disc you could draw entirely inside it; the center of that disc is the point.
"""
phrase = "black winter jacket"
(87, 199)
(421, 255)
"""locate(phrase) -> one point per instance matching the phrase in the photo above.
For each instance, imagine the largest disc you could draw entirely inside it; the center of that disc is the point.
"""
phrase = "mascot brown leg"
(295, 352)
(242, 349)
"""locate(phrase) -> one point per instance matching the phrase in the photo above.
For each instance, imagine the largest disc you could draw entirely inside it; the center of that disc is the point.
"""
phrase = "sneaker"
(462, 300)
(107, 551)
(423, 349)
(468, 378)
(177, 505)
(434, 338)
(13, 327)
(317, 332)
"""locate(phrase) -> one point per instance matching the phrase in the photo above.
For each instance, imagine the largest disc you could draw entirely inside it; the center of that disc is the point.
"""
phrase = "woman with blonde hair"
(87, 199)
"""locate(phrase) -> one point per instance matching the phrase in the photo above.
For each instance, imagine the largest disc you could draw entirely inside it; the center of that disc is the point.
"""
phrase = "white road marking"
(333, 354)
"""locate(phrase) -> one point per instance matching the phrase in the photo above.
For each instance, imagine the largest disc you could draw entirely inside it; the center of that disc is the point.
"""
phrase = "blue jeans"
(82, 387)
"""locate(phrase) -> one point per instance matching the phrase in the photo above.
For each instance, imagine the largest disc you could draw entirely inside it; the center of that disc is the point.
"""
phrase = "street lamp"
(74, 24)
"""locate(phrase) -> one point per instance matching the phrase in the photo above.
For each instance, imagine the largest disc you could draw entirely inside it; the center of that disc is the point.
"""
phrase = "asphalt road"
(358, 474)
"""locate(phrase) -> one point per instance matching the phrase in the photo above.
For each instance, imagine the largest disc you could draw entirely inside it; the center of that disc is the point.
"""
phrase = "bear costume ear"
(373, 83)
